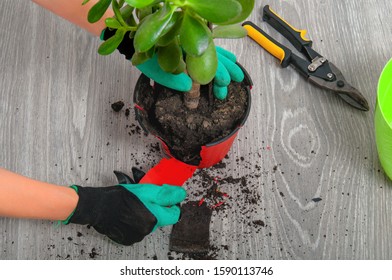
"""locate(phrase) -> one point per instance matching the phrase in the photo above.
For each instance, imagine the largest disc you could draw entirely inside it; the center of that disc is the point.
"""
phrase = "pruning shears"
(316, 68)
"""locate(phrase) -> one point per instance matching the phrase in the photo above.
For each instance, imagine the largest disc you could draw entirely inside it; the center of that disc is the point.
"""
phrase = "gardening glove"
(127, 212)
(227, 68)
(227, 71)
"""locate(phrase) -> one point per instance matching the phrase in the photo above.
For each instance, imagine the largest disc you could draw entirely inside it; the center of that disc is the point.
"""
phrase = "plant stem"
(211, 98)
(191, 98)
(210, 89)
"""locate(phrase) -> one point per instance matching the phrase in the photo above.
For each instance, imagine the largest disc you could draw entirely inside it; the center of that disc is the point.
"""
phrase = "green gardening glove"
(151, 68)
(127, 212)
(227, 71)
(160, 201)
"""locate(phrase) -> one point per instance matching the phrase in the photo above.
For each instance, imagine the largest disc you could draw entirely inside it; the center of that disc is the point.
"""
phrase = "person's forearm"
(75, 12)
(22, 197)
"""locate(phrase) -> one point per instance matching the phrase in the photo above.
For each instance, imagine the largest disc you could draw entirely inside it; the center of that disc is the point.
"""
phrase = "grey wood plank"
(299, 143)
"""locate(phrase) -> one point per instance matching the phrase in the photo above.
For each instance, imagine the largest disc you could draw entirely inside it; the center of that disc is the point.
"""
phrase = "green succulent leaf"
(131, 34)
(194, 35)
(216, 11)
(169, 57)
(181, 67)
(117, 12)
(229, 31)
(85, 2)
(202, 69)
(171, 30)
(98, 10)
(143, 13)
(152, 28)
(112, 43)
(113, 23)
(139, 58)
(150, 53)
(139, 3)
(246, 9)
(127, 15)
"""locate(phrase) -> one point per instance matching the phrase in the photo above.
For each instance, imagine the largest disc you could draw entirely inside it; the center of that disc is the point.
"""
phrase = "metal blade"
(341, 87)
(123, 178)
(137, 174)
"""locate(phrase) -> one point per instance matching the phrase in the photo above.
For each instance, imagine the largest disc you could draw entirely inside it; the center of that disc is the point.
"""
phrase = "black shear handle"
(295, 36)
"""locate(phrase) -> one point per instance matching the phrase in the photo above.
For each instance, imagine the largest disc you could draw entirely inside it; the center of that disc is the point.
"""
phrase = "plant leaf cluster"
(179, 32)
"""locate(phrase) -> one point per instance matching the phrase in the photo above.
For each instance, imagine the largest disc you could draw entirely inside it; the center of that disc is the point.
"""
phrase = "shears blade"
(341, 87)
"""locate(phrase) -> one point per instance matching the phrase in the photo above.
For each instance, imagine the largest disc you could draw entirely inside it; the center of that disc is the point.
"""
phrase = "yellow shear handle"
(269, 44)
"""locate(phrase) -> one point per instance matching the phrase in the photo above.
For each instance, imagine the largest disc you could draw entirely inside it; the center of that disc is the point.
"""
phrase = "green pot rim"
(380, 104)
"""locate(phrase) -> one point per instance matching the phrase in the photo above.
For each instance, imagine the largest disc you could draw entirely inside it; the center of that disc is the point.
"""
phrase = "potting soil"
(184, 130)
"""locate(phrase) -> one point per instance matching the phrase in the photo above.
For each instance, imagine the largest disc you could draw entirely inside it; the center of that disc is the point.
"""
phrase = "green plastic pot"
(383, 119)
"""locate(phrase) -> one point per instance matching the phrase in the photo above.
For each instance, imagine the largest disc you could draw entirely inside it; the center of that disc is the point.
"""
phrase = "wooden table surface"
(299, 145)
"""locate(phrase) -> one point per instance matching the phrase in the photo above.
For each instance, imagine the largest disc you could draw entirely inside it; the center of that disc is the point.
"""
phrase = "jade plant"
(179, 32)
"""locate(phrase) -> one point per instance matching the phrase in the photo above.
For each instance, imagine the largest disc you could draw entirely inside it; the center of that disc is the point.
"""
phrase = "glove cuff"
(66, 221)
(85, 211)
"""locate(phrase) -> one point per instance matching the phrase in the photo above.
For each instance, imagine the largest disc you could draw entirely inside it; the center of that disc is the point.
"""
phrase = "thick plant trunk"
(191, 98)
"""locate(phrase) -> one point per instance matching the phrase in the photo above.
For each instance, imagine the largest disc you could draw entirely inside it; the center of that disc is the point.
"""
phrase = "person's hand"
(127, 212)
(227, 70)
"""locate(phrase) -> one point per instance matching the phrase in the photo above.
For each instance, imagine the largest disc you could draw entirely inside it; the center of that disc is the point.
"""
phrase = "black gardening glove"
(126, 213)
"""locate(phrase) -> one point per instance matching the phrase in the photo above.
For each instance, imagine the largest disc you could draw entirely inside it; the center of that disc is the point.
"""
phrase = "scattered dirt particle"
(93, 253)
(117, 106)
(127, 112)
(243, 181)
(259, 223)
(225, 247)
(220, 165)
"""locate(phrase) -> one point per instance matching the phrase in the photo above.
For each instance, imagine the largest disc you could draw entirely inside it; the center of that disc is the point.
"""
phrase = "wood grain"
(299, 145)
